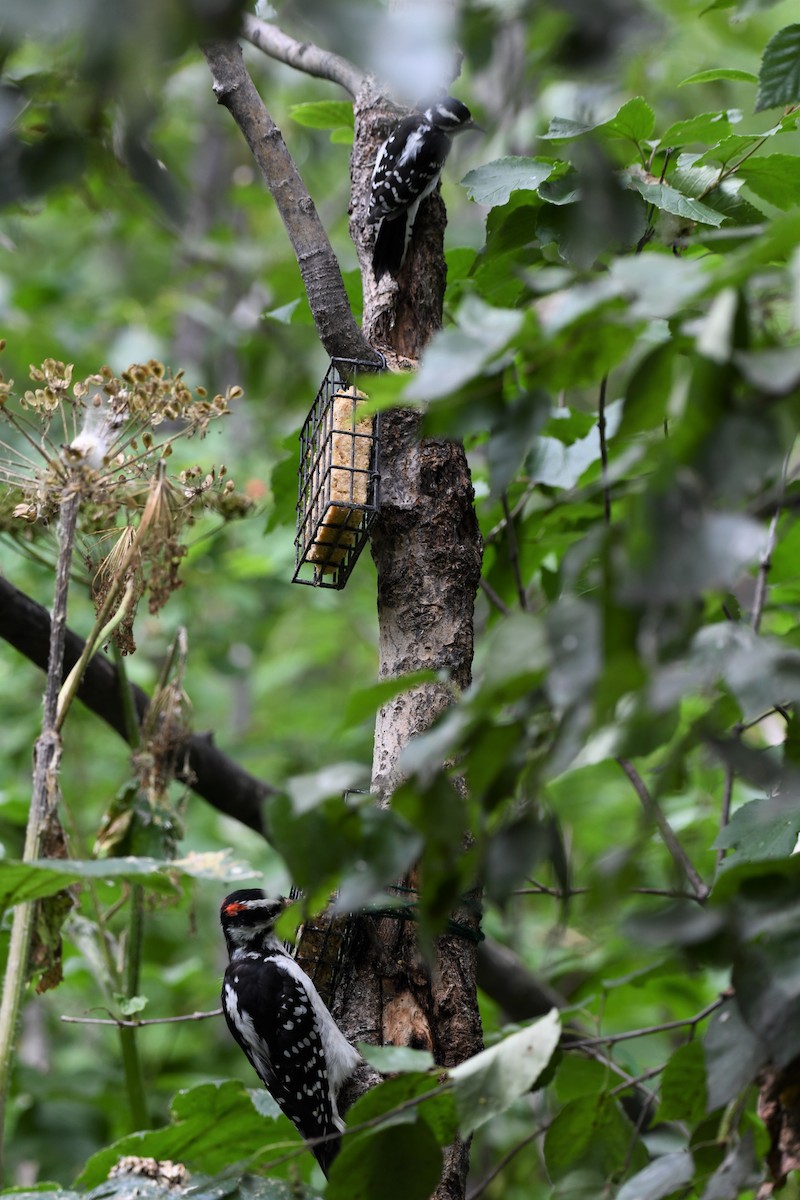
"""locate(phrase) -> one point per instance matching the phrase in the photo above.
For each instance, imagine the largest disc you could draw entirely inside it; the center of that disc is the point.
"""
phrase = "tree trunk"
(427, 548)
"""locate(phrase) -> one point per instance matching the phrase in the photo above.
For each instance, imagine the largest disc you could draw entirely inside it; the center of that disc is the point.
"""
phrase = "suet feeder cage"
(338, 479)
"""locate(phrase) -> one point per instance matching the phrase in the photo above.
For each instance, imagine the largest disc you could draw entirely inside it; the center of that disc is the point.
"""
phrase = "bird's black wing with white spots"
(408, 165)
(270, 1016)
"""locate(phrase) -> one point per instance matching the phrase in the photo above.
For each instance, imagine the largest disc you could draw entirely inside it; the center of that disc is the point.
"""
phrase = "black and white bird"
(407, 169)
(281, 1022)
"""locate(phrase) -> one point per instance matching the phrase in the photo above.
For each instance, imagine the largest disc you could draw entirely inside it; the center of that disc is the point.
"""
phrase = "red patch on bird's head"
(230, 910)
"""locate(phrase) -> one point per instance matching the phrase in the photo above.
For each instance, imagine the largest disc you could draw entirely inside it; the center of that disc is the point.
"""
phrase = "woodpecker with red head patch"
(407, 169)
(281, 1022)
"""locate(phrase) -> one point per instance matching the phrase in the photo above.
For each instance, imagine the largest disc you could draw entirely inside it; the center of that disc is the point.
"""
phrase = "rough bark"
(427, 548)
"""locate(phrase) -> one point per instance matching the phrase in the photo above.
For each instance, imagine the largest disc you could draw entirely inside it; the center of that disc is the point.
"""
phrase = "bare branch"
(648, 1030)
(25, 625)
(665, 829)
(195, 1016)
(763, 571)
(303, 56)
(319, 268)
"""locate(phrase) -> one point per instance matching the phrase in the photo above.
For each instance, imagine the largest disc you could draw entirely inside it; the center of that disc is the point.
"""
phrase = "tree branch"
(303, 56)
(653, 811)
(25, 625)
(319, 267)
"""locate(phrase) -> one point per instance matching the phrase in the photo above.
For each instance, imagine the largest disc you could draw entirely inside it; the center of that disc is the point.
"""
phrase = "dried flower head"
(107, 438)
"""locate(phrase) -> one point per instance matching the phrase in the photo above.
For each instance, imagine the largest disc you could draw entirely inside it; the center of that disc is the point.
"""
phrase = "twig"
(493, 598)
(501, 1165)
(303, 56)
(120, 1023)
(648, 1030)
(601, 428)
(763, 571)
(541, 889)
(327, 298)
(665, 829)
(725, 808)
(513, 554)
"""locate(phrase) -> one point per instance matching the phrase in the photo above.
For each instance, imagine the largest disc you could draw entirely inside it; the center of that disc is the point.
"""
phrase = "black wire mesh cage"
(338, 480)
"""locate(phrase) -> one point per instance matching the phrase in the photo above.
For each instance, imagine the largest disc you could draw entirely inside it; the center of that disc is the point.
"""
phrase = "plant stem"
(131, 1063)
(47, 754)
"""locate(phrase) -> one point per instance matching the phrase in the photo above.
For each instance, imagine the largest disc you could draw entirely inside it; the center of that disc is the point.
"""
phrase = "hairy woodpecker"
(280, 1021)
(407, 170)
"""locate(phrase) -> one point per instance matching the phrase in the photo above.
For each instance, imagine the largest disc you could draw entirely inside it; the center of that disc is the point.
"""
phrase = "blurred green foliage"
(622, 260)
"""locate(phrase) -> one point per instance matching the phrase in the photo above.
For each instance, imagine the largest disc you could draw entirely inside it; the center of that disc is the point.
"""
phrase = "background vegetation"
(622, 358)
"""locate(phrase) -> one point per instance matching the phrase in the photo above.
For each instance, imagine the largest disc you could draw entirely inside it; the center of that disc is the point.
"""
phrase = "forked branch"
(303, 56)
(319, 267)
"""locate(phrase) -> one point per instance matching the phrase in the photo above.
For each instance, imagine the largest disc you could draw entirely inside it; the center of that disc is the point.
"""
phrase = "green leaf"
(407, 1098)
(759, 831)
(662, 1177)
(705, 127)
(773, 177)
(212, 1126)
(309, 791)
(364, 702)
(669, 200)
(388, 1059)
(734, 1055)
(455, 356)
(594, 1132)
(323, 114)
(683, 1085)
(775, 372)
(33, 881)
(715, 73)
(489, 1082)
(779, 74)
(401, 1163)
(634, 120)
(494, 182)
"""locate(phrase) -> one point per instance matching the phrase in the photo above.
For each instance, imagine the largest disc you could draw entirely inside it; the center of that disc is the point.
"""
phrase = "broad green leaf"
(715, 73)
(685, 560)
(766, 979)
(724, 152)
(407, 1098)
(308, 791)
(457, 355)
(758, 831)
(683, 1085)
(775, 372)
(634, 120)
(662, 1177)
(489, 1082)
(773, 177)
(45, 877)
(323, 114)
(705, 127)
(401, 1163)
(592, 1131)
(387, 1059)
(366, 701)
(214, 864)
(779, 75)
(212, 1126)
(734, 1055)
(668, 199)
(494, 182)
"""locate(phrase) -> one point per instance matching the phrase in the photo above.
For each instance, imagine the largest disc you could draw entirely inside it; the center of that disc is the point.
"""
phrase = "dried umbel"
(108, 438)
